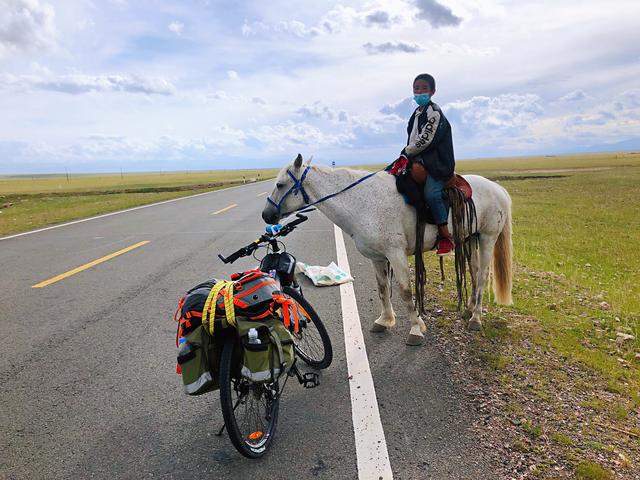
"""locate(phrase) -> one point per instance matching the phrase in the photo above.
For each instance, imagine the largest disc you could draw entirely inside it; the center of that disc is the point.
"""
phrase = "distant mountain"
(632, 144)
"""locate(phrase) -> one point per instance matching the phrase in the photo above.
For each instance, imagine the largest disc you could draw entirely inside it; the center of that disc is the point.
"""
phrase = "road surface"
(87, 369)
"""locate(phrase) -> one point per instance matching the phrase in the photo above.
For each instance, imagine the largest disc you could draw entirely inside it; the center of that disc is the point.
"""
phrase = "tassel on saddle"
(458, 193)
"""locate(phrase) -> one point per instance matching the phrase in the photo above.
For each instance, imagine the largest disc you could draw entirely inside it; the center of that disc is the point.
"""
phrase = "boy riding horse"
(429, 155)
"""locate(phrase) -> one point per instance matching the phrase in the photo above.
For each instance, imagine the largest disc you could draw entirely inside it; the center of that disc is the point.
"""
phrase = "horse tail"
(502, 261)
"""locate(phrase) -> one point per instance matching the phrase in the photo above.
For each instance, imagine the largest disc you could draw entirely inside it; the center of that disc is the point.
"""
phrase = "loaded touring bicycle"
(244, 337)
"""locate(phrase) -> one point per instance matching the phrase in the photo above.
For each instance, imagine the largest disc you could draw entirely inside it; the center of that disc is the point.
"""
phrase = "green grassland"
(31, 184)
(28, 202)
(572, 338)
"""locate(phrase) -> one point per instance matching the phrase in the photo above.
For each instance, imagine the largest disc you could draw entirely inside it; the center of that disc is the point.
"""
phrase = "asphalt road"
(87, 369)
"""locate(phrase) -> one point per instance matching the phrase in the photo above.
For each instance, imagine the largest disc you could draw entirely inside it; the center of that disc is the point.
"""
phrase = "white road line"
(126, 210)
(371, 446)
(261, 194)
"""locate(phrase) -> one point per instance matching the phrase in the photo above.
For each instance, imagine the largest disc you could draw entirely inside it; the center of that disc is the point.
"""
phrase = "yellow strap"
(229, 309)
(228, 304)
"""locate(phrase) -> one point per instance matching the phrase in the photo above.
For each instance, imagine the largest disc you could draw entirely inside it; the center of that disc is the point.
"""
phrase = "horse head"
(288, 194)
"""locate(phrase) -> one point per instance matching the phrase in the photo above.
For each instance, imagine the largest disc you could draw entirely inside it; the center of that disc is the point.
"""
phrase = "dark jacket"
(433, 146)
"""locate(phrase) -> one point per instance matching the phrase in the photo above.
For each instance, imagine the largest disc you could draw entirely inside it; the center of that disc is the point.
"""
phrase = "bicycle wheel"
(250, 409)
(313, 344)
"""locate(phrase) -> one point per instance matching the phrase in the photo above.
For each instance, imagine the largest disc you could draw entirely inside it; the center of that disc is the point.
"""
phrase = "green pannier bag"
(199, 359)
(272, 356)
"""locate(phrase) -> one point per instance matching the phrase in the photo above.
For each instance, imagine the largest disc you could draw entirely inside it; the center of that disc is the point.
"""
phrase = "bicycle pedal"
(310, 380)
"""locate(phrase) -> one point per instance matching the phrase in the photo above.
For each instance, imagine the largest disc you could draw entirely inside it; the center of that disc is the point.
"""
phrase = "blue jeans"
(433, 189)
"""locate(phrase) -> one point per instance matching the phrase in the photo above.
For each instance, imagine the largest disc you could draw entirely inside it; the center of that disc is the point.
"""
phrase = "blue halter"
(297, 187)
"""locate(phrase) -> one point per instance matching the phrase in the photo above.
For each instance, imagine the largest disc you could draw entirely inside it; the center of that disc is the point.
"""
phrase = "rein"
(299, 187)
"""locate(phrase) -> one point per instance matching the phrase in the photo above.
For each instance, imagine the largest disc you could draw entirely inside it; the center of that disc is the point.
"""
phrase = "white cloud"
(489, 117)
(85, 24)
(337, 20)
(628, 99)
(290, 27)
(284, 136)
(176, 27)
(76, 84)
(436, 14)
(403, 108)
(574, 96)
(392, 47)
(510, 123)
(232, 74)
(380, 18)
(26, 25)
(319, 111)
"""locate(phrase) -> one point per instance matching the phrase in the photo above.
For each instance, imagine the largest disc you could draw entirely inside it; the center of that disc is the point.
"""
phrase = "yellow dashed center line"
(86, 266)
(261, 194)
(225, 209)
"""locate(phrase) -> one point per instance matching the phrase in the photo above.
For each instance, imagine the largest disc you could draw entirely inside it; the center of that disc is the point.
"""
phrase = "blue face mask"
(422, 99)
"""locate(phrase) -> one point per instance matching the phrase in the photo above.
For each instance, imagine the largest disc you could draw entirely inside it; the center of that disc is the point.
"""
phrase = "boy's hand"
(399, 166)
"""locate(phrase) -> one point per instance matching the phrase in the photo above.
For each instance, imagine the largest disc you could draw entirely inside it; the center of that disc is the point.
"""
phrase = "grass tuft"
(588, 470)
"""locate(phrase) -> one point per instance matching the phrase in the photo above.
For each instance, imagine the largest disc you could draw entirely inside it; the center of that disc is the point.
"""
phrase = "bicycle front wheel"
(250, 409)
(313, 344)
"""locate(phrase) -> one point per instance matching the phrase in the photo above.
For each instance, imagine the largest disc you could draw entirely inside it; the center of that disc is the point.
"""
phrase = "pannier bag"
(199, 350)
(250, 301)
(267, 349)
(252, 295)
(199, 362)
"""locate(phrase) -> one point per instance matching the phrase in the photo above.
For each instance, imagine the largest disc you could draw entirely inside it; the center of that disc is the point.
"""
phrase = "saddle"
(410, 180)
(410, 185)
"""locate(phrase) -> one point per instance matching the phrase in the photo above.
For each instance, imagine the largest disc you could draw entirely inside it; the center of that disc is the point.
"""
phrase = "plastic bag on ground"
(324, 276)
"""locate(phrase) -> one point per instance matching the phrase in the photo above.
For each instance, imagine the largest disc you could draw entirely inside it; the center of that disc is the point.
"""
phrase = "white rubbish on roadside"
(324, 276)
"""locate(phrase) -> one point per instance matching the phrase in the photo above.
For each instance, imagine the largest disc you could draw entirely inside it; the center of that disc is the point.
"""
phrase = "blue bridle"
(298, 187)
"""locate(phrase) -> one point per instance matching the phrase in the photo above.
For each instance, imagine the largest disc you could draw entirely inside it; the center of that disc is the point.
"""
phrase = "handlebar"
(264, 238)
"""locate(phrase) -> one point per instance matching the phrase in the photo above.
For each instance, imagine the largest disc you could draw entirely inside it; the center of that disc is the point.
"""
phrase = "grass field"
(567, 353)
(29, 202)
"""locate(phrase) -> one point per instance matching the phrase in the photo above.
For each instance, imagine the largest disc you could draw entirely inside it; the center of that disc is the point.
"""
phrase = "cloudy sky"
(146, 85)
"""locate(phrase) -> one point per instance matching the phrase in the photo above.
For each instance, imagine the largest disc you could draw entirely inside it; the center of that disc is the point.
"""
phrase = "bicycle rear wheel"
(250, 409)
(313, 344)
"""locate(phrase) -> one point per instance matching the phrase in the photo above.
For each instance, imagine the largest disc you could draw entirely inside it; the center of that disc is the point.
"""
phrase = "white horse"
(383, 228)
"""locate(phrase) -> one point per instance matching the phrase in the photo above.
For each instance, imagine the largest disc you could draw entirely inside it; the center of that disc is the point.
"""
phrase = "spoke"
(311, 344)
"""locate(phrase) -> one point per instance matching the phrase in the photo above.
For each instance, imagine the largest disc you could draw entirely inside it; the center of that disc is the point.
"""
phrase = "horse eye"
(279, 185)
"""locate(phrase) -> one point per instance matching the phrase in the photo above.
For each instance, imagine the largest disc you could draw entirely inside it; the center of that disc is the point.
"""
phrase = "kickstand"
(219, 434)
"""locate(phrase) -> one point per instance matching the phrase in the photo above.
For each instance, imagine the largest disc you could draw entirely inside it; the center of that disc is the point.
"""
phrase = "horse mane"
(352, 173)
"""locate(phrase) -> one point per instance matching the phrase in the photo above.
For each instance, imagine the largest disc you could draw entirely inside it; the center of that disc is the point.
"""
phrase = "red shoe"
(445, 246)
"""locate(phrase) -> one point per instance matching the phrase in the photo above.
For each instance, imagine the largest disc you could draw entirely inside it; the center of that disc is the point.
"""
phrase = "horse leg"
(486, 252)
(471, 301)
(387, 318)
(400, 267)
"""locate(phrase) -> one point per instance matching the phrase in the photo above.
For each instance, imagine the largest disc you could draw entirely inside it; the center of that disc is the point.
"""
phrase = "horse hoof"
(377, 328)
(475, 325)
(414, 340)
(467, 314)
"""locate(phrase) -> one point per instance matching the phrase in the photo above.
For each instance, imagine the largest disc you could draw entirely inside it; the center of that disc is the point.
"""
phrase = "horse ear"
(310, 159)
(297, 163)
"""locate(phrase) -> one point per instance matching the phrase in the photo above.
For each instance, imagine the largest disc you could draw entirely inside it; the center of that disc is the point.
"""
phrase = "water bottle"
(253, 337)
